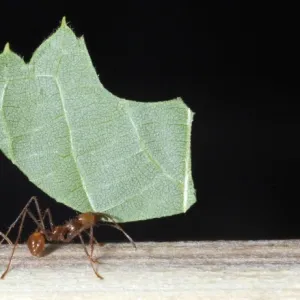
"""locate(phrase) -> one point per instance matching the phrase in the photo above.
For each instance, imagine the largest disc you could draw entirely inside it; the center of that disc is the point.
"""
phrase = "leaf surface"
(84, 146)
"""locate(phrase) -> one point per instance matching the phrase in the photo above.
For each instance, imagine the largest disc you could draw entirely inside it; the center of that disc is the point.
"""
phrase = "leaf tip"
(64, 22)
(6, 48)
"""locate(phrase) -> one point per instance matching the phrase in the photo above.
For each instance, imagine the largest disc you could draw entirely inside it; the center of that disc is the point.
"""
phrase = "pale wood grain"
(182, 270)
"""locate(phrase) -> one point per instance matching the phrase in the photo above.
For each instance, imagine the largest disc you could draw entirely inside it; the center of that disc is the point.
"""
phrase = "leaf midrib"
(72, 150)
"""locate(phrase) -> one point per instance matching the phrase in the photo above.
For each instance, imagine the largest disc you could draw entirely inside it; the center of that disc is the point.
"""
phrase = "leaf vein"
(72, 150)
(146, 151)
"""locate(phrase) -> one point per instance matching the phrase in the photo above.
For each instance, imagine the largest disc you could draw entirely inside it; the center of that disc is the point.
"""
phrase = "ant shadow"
(51, 248)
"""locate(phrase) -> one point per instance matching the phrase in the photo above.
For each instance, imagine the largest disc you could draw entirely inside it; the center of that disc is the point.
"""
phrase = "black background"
(236, 67)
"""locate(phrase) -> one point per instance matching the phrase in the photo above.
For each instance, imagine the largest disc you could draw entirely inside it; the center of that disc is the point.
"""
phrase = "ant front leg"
(92, 238)
(109, 221)
(91, 243)
(92, 261)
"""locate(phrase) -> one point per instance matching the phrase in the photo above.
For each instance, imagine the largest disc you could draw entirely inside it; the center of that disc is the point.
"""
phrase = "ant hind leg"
(24, 210)
(15, 245)
(5, 238)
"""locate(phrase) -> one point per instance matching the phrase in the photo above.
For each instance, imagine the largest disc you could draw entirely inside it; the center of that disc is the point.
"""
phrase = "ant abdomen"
(36, 243)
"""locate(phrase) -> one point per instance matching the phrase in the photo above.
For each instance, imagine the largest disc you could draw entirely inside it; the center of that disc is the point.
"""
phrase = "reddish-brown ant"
(61, 233)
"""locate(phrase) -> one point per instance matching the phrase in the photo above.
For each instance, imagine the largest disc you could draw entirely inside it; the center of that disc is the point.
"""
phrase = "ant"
(59, 233)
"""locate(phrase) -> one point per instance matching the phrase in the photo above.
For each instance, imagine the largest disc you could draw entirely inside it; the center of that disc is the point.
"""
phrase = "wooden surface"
(182, 270)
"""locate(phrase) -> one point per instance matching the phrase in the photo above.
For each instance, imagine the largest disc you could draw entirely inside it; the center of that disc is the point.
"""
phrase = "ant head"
(87, 219)
(36, 243)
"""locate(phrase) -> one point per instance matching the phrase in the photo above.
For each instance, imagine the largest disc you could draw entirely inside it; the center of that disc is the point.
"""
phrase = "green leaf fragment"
(86, 147)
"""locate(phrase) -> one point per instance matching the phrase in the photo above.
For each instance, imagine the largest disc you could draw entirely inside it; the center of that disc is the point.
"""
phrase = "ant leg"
(17, 219)
(23, 214)
(6, 238)
(117, 226)
(96, 242)
(91, 241)
(108, 218)
(40, 224)
(120, 228)
(15, 245)
(47, 212)
(32, 199)
(85, 247)
(73, 235)
(127, 235)
(89, 257)
(78, 233)
(91, 235)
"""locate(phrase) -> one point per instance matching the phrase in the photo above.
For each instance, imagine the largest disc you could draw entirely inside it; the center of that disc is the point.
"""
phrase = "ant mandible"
(59, 233)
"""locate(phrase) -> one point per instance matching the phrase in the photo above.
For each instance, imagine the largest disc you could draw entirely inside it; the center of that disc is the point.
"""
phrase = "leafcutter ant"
(82, 223)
